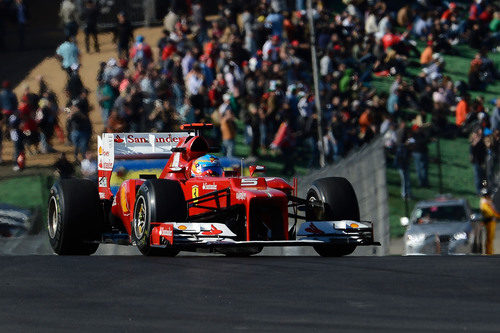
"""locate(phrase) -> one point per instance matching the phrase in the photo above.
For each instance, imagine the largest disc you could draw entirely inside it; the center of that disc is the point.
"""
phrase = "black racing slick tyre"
(339, 203)
(158, 200)
(74, 217)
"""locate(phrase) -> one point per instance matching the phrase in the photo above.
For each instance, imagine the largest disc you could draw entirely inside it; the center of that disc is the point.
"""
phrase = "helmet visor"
(216, 170)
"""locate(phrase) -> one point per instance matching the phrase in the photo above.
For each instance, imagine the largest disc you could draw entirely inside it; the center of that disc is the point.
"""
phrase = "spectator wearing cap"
(123, 35)
(271, 48)
(141, 52)
(113, 71)
(69, 54)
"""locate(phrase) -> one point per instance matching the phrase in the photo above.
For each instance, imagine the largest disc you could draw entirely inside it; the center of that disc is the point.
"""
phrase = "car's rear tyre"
(158, 200)
(339, 203)
(74, 217)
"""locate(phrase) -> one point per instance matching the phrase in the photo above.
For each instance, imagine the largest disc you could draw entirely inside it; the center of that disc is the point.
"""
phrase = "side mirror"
(476, 217)
(404, 221)
(256, 168)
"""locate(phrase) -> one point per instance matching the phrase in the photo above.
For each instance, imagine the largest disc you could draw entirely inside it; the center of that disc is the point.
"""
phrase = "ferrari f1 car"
(177, 209)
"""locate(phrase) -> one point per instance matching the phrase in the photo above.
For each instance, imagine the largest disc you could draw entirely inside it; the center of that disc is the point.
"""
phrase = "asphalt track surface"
(208, 294)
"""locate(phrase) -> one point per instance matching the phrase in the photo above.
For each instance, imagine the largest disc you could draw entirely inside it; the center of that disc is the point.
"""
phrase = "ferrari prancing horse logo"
(195, 192)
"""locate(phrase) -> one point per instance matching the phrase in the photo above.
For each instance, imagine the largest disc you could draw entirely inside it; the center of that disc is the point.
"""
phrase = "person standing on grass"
(478, 157)
(420, 154)
(461, 110)
(228, 130)
(495, 116)
(90, 14)
(402, 159)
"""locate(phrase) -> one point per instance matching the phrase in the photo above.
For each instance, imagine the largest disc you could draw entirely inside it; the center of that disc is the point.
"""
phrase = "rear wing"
(133, 146)
(113, 146)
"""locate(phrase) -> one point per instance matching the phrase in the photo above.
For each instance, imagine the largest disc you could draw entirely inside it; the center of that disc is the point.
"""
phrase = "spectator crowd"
(252, 62)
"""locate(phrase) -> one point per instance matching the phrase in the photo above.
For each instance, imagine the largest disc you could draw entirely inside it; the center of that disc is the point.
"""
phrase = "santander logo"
(143, 139)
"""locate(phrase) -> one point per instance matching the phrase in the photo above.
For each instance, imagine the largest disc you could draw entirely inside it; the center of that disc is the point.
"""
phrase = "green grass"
(458, 178)
(26, 192)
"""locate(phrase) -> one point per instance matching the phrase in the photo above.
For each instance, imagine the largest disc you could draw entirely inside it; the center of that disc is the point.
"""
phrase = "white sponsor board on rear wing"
(122, 145)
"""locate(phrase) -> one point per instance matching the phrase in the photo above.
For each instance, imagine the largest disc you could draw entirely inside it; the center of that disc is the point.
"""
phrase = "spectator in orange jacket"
(426, 55)
(462, 110)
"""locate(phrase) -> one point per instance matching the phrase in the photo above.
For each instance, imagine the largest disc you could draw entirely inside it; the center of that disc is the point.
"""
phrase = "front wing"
(190, 236)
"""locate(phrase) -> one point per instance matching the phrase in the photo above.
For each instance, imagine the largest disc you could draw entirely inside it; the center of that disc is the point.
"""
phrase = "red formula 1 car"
(169, 210)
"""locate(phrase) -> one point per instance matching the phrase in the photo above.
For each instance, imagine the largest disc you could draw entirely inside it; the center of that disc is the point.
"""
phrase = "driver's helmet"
(207, 165)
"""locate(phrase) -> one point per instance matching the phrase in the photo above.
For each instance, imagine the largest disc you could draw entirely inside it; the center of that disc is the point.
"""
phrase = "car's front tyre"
(158, 200)
(339, 203)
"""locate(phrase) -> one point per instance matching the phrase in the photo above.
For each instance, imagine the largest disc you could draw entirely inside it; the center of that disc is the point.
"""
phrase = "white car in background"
(443, 226)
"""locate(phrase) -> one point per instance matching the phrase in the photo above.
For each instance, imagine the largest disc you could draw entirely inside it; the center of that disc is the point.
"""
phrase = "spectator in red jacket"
(141, 52)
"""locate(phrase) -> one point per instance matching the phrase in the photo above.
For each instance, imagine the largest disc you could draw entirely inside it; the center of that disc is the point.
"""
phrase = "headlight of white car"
(460, 235)
(415, 239)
